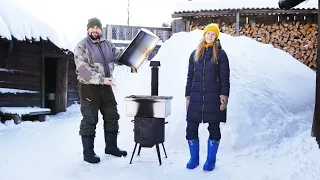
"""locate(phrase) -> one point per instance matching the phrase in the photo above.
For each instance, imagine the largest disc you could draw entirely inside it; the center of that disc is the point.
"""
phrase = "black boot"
(111, 144)
(88, 152)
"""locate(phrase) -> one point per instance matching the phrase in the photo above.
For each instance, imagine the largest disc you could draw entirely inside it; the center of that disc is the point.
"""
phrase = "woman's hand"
(187, 102)
(224, 102)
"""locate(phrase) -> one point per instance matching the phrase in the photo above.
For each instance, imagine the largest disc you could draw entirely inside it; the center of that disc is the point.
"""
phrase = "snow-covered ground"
(266, 137)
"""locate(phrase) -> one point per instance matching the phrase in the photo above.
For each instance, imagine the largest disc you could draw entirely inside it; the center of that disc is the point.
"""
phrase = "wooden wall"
(20, 71)
(73, 95)
(316, 118)
(4, 45)
(25, 63)
(295, 34)
(35, 66)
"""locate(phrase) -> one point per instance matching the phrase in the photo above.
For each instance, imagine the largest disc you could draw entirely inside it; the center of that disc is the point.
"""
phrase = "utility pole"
(128, 10)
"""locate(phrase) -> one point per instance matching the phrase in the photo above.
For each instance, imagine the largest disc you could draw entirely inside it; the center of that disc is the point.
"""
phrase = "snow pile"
(4, 31)
(270, 90)
(232, 4)
(23, 110)
(14, 91)
(24, 26)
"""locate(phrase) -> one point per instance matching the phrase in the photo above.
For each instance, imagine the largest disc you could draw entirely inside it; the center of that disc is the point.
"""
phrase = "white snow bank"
(235, 4)
(4, 31)
(269, 89)
(9, 90)
(22, 25)
(4, 70)
(23, 110)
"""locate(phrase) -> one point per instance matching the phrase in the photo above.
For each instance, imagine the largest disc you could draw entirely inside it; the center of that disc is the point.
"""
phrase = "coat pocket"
(89, 94)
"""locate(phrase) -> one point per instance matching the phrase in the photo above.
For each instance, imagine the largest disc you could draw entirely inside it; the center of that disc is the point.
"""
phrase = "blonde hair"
(200, 50)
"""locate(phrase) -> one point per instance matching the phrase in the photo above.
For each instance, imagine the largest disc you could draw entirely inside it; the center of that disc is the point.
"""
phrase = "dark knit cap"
(94, 22)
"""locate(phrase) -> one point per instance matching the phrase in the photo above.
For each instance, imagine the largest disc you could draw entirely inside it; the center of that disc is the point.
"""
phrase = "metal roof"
(244, 5)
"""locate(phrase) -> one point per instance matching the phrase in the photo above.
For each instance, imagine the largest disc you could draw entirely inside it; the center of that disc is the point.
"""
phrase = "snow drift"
(269, 89)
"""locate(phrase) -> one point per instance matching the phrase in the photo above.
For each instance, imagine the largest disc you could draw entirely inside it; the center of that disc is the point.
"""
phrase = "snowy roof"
(14, 22)
(213, 5)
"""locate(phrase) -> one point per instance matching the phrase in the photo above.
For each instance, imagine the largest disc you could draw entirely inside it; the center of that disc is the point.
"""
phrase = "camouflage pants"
(92, 99)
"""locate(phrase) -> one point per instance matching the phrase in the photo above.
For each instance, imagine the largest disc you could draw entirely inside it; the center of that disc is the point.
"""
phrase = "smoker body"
(149, 114)
(149, 131)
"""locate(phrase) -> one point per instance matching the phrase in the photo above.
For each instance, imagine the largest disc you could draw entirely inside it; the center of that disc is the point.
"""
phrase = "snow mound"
(272, 94)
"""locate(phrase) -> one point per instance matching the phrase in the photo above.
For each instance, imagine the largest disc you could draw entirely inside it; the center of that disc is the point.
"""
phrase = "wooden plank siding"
(20, 99)
(72, 94)
(20, 70)
(24, 69)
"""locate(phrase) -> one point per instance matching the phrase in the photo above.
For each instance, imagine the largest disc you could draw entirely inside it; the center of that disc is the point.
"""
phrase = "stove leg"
(158, 152)
(134, 150)
(165, 153)
(139, 149)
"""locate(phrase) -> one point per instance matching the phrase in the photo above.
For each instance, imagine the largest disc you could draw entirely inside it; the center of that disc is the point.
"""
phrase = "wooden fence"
(122, 35)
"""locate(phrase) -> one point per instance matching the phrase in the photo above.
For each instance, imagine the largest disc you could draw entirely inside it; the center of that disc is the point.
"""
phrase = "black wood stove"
(149, 114)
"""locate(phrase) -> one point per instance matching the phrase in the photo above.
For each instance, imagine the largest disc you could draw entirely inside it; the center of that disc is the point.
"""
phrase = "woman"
(207, 93)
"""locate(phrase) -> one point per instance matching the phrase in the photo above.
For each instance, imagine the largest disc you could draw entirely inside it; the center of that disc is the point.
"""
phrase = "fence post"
(178, 25)
(238, 23)
(108, 32)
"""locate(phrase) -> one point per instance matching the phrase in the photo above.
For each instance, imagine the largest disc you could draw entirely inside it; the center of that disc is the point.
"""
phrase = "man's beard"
(94, 38)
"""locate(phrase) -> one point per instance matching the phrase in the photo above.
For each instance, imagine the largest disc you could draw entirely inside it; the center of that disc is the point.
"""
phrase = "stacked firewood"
(299, 40)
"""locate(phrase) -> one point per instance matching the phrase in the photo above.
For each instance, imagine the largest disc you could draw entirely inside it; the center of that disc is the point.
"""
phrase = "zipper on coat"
(107, 74)
(217, 72)
(203, 81)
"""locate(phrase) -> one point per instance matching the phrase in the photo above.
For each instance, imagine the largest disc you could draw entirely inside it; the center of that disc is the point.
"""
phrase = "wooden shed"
(72, 90)
(315, 132)
(33, 70)
(294, 31)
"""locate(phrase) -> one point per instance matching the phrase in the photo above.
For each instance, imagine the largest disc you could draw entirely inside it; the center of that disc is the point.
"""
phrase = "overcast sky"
(74, 12)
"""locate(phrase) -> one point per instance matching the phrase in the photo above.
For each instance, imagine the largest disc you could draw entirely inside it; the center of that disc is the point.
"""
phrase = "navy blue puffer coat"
(206, 81)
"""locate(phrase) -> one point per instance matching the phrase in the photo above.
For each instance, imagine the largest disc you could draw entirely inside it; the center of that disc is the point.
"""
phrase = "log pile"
(299, 40)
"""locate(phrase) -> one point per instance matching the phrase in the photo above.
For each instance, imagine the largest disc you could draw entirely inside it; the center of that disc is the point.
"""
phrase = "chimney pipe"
(154, 77)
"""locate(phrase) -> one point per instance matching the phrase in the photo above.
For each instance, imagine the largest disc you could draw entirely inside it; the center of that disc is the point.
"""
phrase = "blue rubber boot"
(211, 157)
(194, 153)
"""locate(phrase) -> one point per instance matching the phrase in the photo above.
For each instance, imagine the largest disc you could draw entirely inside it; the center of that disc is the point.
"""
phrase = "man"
(94, 58)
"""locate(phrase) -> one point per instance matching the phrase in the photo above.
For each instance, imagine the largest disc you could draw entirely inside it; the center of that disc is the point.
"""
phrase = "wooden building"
(36, 76)
(38, 67)
(294, 31)
(72, 91)
(315, 132)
